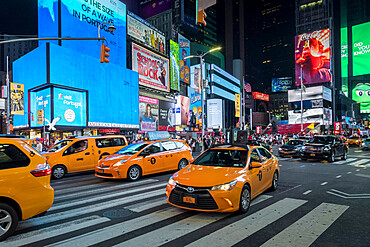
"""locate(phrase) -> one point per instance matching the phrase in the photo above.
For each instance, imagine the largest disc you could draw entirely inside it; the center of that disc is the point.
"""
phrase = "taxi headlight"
(280, 149)
(326, 148)
(225, 187)
(119, 163)
(172, 182)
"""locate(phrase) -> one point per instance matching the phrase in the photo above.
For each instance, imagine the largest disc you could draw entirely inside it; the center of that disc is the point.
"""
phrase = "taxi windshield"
(295, 142)
(132, 148)
(59, 145)
(223, 158)
(354, 137)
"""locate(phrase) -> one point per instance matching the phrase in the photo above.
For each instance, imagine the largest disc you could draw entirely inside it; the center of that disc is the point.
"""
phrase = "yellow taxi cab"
(144, 158)
(25, 189)
(355, 140)
(224, 179)
(77, 154)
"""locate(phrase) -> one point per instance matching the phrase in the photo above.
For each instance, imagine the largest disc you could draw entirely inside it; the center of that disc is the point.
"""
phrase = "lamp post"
(202, 85)
(111, 28)
(43, 116)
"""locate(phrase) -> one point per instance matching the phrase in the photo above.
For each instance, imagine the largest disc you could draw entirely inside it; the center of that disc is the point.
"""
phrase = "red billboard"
(258, 130)
(312, 56)
(337, 128)
(261, 96)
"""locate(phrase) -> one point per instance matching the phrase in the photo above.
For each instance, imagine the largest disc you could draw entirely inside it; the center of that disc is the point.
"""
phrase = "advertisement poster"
(261, 96)
(40, 102)
(310, 93)
(214, 114)
(314, 115)
(184, 46)
(153, 69)
(337, 128)
(69, 107)
(195, 80)
(361, 49)
(175, 69)
(282, 84)
(258, 130)
(361, 94)
(312, 54)
(195, 105)
(344, 52)
(166, 116)
(149, 8)
(17, 98)
(146, 33)
(148, 113)
(237, 105)
(182, 110)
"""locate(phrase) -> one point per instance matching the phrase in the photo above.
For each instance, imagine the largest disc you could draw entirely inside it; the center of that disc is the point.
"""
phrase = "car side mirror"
(255, 164)
(191, 160)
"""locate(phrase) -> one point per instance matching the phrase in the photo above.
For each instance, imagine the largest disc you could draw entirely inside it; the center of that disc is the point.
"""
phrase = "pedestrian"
(39, 146)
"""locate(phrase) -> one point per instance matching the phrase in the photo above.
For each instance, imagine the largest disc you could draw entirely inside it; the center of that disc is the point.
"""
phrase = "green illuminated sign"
(361, 93)
(344, 51)
(361, 49)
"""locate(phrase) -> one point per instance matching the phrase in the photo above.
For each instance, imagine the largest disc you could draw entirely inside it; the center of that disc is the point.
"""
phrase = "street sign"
(2, 104)
(40, 117)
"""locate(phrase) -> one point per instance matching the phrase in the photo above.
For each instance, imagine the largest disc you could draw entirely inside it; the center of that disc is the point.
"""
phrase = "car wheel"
(245, 199)
(332, 157)
(344, 157)
(8, 220)
(182, 164)
(274, 183)
(134, 173)
(58, 171)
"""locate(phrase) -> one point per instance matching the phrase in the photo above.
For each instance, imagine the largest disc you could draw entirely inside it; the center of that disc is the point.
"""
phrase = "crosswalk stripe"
(87, 190)
(38, 235)
(173, 231)
(77, 202)
(344, 161)
(359, 162)
(145, 205)
(239, 230)
(87, 209)
(307, 229)
(120, 228)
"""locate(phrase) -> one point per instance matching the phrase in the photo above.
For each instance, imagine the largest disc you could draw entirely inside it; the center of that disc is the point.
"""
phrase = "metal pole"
(202, 91)
(43, 118)
(8, 98)
(251, 114)
(301, 100)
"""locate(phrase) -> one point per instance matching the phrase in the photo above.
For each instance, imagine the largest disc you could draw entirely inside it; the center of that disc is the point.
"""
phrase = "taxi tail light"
(45, 170)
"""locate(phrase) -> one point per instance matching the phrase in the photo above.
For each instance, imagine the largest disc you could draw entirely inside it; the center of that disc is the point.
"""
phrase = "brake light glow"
(43, 170)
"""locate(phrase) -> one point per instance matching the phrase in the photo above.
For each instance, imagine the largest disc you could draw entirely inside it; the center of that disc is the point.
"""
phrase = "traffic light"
(201, 18)
(104, 54)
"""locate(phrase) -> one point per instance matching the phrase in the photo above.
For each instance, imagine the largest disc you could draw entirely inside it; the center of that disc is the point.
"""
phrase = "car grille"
(204, 200)
(104, 174)
(313, 149)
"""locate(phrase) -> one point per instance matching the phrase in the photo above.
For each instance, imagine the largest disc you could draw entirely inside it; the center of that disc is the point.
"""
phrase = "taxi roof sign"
(158, 135)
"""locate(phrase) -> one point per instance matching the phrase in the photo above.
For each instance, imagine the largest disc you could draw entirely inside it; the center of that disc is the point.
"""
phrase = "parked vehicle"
(292, 148)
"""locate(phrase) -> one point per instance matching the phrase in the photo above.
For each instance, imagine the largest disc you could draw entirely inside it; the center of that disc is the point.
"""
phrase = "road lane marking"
(359, 162)
(324, 183)
(145, 205)
(302, 166)
(339, 176)
(349, 172)
(341, 192)
(362, 175)
(41, 234)
(239, 230)
(347, 197)
(307, 192)
(77, 202)
(306, 230)
(357, 170)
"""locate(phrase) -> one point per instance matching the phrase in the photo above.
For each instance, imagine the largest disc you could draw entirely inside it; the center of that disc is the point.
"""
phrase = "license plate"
(101, 170)
(188, 199)
(312, 154)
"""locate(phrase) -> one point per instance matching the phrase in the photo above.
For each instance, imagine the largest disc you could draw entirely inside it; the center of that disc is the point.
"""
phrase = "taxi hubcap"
(182, 164)
(245, 198)
(58, 172)
(275, 180)
(134, 173)
(5, 221)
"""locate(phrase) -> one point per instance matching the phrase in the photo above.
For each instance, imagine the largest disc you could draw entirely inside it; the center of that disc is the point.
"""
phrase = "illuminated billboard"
(195, 105)
(148, 113)
(174, 63)
(149, 8)
(214, 114)
(282, 84)
(81, 18)
(39, 103)
(361, 49)
(182, 116)
(166, 116)
(153, 69)
(314, 115)
(344, 52)
(70, 107)
(261, 96)
(184, 51)
(310, 93)
(361, 93)
(312, 55)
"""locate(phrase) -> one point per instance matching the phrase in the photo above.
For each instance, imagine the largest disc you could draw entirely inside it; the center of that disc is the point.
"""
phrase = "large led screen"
(361, 93)
(175, 66)
(182, 116)
(195, 105)
(148, 111)
(214, 114)
(184, 51)
(166, 116)
(312, 55)
(361, 49)
(81, 19)
(344, 52)
(70, 107)
(282, 84)
(40, 102)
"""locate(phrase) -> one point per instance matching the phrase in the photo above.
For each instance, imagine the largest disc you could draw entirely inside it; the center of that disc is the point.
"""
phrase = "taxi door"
(79, 156)
(171, 155)
(267, 165)
(153, 158)
(255, 174)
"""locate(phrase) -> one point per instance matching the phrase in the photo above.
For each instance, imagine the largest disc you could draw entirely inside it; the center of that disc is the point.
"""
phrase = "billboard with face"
(361, 93)
(184, 46)
(148, 113)
(312, 56)
(166, 115)
(182, 116)
(195, 105)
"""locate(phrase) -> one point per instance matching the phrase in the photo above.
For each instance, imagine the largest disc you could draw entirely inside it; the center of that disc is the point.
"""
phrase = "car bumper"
(109, 173)
(42, 202)
(211, 201)
(315, 155)
(288, 153)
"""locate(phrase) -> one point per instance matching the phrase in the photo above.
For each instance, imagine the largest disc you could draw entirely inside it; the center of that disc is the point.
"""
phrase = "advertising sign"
(361, 49)
(175, 66)
(282, 84)
(312, 54)
(184, 46)
(149, 8)
(314, 115)
(40, 117)
(237, 105)
(337, 128)
(344, 52)
(261, 96)
(69, 107)
(258, 130)
(81, 18)
(148, 113)
(195, 105)
(40, 102)
(310, 93)
(145, 32)
(166, 115)
(195, 80)
(214, 114)
(153, 69)
(17, 98)
(361, 93)
(182, 116)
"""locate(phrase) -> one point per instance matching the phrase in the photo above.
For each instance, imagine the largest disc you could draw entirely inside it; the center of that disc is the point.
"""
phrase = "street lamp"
(202, 86)
(43, 116)
(111, 28)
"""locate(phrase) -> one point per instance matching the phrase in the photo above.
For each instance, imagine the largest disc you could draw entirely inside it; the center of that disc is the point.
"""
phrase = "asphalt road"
(316, 204)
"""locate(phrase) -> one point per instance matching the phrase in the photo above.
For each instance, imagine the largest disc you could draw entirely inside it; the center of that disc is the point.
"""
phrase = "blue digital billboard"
(81, 19)
(282, 84)
(70, 107)
(40, 101)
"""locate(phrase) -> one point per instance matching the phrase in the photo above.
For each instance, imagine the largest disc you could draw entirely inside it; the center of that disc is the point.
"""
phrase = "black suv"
(325, 147)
